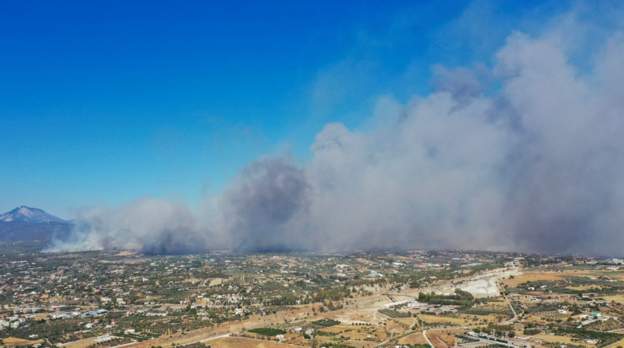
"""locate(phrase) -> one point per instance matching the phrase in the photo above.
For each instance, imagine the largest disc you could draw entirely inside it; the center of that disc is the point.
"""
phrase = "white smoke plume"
(151, 225)
(529, 158)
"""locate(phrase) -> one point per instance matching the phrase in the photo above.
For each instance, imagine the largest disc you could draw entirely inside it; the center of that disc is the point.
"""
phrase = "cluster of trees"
(498, 330)
(331, 294)
(460, 298)
(394, 314)
(326, 322)
(605, 338)
(267, 331)
(54, 330)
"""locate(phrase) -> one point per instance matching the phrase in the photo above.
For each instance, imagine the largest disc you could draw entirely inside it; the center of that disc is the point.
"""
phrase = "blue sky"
(106, 102)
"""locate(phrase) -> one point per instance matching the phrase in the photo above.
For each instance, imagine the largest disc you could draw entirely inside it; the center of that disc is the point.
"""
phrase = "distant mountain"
(30, 215)
(32, 224)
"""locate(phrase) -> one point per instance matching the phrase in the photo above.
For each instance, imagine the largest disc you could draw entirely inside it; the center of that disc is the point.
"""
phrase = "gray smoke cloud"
(526, 155)
(149, 225)
(261, 209)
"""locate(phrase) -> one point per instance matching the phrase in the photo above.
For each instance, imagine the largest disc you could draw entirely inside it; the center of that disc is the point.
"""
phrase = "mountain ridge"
(25, 213)
(25, 223)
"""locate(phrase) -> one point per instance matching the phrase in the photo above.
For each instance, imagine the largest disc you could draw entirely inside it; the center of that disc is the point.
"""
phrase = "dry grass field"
(615, 298)
(18, 342)
(441, 338)
(406, 323)
(617, 344)
(531, 277)
(242, 342)
(356, 338)
(361, 336)
(415, 338)
(561, 340)
(439, 319)
(472, 319)
(354, 332)
(535, 275)
(83, 343)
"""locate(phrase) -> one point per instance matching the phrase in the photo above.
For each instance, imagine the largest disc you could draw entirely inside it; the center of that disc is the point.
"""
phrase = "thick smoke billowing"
(151, 225)
(260, 211)
(531, 160)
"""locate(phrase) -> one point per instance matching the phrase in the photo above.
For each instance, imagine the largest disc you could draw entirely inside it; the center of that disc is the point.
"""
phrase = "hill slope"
(32, 224)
